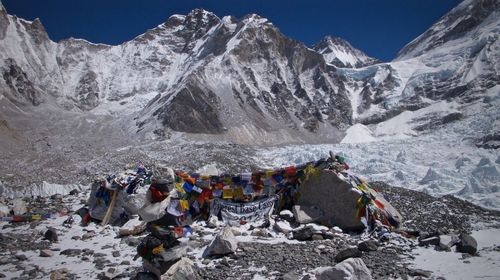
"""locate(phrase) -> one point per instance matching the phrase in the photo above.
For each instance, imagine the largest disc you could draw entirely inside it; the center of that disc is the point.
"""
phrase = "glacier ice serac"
(199, 90)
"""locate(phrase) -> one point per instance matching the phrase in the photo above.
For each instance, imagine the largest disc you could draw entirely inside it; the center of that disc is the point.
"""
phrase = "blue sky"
(378, 27)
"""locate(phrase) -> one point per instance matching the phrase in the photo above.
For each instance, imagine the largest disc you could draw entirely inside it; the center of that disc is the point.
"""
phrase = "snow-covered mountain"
(243, 80)
(456, 59)
(196, 73)
(340, 53)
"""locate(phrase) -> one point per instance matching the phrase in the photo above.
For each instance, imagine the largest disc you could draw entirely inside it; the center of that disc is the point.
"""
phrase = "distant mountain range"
(240, 80)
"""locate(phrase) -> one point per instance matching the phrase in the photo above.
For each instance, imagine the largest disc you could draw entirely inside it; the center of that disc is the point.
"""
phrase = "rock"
(419, 272)
(261, 232)
(116, 254)
(71, 252)
(350, 269)
(213, 222)
(73, 192)
(467, 244)
(446, 242)
(21, 257)
(224, 243)
(125, 262)
(328, 235)
(110, 273)
(336, 230)
(132, 241)
(2, 275)
(449, 240)
(442, 247)
(184, 269)
(287, 215)
(56, 196)
(145, 276)
(303, 234)
(100, 262)
(283, 226)
(174, 254)
(317, 237)
(348, 253)
(337, 199)
(307, 214)
(46, 253)
(51, 235)
(368, 245)
(60, 274)
(292, 275)
(100, 255)
(88, 235)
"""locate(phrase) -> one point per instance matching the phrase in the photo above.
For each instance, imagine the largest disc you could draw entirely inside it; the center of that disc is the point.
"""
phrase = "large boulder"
(337, 199)
(184, 269)
(467, 244)
(348, 253)
(224, 243)
(350, 269)
(160, 264)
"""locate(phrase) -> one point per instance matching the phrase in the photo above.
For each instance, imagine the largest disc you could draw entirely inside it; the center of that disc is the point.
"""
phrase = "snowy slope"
(340, 53)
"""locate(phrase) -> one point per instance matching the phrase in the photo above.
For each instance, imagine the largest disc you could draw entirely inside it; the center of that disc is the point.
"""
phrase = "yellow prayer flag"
(184, 204)
(227, 193)
(158, 249)
(238, 193)
(179, 187)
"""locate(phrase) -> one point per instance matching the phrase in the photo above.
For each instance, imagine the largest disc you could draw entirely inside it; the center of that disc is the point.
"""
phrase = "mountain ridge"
(198, 73)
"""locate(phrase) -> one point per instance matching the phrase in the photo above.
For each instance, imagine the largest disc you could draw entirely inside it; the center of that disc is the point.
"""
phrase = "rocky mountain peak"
(175, 20)
(339, 52)
(464, 18)
(201, 18)
(254, 20)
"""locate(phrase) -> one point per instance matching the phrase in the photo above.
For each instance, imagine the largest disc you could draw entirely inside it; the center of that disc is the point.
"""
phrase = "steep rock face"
(262, 80)
(22, 90)
(466, 17)
(87, 91)
(4, 21)
(341, 54)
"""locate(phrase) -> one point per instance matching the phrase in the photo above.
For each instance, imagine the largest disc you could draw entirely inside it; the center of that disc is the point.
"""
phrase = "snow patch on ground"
(446, 264)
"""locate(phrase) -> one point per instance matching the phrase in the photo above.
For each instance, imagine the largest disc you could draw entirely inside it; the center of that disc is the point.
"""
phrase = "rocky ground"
(29, 250)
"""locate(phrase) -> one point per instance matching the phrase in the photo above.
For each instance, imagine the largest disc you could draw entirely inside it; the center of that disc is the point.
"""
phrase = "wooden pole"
(111, 206)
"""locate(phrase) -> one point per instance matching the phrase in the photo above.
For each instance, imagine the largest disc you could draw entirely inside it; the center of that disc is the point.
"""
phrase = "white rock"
(184, 269)
(19, 207)
(283, 226)
(224, 243)
(350, 269)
